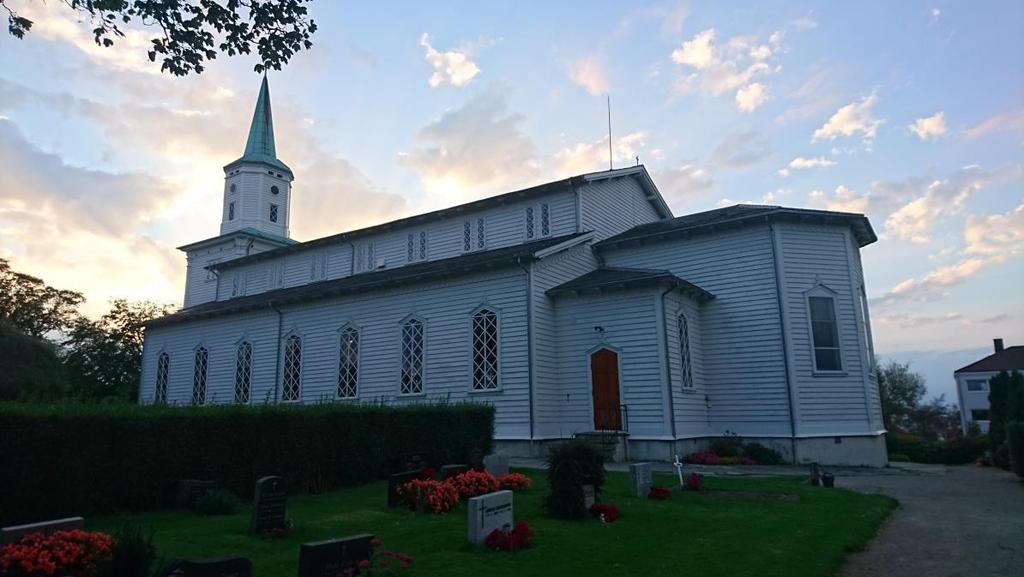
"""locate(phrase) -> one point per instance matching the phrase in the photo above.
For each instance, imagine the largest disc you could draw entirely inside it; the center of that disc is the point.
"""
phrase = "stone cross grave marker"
(496, 464)
(269, 505)
(639, 479)
(16, 532)
(679, 471)
(589, 496)
(448, 471)
(190, 490)
(332, 557)
(487, 513)
(397, 480)
(229, 567)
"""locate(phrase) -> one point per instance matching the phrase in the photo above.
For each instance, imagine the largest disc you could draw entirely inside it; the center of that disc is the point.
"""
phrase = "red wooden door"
(604, 375)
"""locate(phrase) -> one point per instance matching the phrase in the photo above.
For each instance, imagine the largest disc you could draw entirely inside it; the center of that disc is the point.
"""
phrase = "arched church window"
(199, 370)
(292, 368)
(485, 350)
(162, 366)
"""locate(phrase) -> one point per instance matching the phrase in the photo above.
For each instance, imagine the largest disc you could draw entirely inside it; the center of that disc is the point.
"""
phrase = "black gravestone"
(15, 533)
(449, 471)
(230, 567)
(190, 490)
(268, 507)
(331, 558)
(475, 456)
(397, 480)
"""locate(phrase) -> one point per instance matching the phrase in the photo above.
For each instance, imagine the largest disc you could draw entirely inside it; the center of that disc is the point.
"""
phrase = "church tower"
(258, 186)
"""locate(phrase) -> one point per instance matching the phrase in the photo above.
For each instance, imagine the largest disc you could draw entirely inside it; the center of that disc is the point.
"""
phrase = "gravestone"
(449, 471)
(815, 478)
(496, 464)
(332, 557)
(639, 479)
(475, 456)
(190, 490)
(16, 532)
(397, 480)
(229, 567)
(487, 513)
(268, 506)
(589, 496)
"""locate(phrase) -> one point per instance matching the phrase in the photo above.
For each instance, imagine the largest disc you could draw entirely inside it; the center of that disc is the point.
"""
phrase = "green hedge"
(78, 459)
(1015, 440)
(958, 451)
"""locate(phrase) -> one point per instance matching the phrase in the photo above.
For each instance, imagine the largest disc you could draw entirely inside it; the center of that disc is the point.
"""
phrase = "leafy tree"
(32, 306)
(901, 391)
(1006, 404)
(29, 367)
(194, 31)
(104, 357)
(935, 419)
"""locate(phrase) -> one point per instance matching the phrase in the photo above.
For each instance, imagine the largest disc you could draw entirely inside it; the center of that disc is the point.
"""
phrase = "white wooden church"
(573, 307)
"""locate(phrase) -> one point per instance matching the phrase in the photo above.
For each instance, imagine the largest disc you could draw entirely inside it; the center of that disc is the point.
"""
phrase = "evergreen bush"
(572, 465)
(763, 455)
(1015, 444)
(134, 552)
(82, 459)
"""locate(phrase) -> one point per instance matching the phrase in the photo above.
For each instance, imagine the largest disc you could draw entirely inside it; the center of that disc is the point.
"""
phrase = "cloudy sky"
(910, 112)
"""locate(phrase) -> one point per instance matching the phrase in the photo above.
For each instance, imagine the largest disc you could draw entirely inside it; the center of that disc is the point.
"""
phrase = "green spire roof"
(260, 145)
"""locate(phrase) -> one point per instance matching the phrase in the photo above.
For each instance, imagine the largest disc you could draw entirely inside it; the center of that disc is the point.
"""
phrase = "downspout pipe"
(529, 338)
(785, 341)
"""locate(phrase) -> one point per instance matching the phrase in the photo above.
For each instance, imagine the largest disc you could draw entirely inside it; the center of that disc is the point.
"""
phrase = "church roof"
(738, 215)
(247, 231)
(387, 278)
(623, 278)
(259, 147)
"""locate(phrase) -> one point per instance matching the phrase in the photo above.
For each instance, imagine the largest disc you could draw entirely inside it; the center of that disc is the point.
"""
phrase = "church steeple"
(257, 187)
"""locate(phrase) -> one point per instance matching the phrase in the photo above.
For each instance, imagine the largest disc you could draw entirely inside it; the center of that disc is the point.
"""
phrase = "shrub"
(607, 512)
(741, 460)
(514, 482)
(694, 482)
(76, 552)
(659, 493)
(429, 495)
(572, 465)
(1006, 401)
(518, 538)
(1015, 446)
(217, 502)
(86, 459)
(762, 455)
(473, 483)
(728, 446)
(1001, 456)
(134, 553)
(958, 451)
(898, 458)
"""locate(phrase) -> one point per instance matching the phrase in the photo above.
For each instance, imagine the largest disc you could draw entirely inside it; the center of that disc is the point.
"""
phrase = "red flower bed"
(428, 473)
(709, 458)
(514, 540)
(607, 512)
(429, 495)
(514, 482)
(473, 484)
(659, 493)
(694, 482)
(76, 553)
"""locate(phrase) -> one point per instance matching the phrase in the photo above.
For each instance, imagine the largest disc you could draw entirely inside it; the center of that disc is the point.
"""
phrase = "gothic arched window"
(199, 371)
(485, 350)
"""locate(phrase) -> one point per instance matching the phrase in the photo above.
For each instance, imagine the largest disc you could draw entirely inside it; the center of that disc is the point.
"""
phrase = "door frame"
(590, 379)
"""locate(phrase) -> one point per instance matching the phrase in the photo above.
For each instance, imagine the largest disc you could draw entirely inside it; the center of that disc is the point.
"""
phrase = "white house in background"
(972, 382)
(573, 307)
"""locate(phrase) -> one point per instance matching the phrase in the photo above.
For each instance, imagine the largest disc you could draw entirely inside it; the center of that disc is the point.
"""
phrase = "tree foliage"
(1006, 403)
(192, 32)
(901, 391)
(29, 367)
(32, 306)
(104, 357)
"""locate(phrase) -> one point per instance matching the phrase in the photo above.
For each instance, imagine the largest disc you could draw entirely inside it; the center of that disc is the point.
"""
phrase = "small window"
(981, 414)
(412, 358)
(292, 377)
(481, 239)
(684, 353)
(530, 228)
(410, 252)
(423, 245)
(485, 350)
(977, 385)
(416, 246)
(825, 334)
(545, 220)
(243, 372)
(199, 370)
(163, 363)
(274, 190)
(467, 237)
(233, 187)
(348, 364)
(231, 210)
(273, 213)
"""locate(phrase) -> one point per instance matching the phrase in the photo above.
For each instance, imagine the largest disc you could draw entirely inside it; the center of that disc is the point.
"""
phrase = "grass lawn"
(706, 534)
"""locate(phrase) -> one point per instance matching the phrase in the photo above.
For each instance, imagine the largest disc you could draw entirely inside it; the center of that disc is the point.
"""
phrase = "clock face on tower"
(274, 190)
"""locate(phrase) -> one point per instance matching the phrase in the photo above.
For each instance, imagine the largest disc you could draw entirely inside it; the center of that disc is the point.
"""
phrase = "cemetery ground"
(739, 526)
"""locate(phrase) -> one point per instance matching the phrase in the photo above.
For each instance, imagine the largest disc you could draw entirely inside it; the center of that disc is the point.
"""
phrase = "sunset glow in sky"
(910, 112)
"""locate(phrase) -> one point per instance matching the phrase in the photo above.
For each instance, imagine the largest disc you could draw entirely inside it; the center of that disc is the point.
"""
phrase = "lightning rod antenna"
(609, 101)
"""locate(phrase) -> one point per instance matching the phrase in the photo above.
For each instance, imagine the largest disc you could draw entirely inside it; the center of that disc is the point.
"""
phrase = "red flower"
(428, 473)
(364, 564)
(473, 484)
(518, 538)
(375, 542)
(514, 482)
(694, 481)
(607, 512)
(659, 493)
(429, 495)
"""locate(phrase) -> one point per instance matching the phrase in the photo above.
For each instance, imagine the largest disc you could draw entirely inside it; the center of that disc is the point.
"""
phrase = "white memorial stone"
(496, 464)
(589, 496)
(487, 513)
(639, 479)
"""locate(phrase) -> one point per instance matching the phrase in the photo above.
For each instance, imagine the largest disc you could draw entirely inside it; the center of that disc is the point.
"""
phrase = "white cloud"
(698, 52)
(590, 73)
(783, 172)
(801, 163)
(590, 156)
(1009, 121)
(854, 118)
(930, 127)
(740, 150)
(452, 67)
(997, 234)
(842, 200)
(683, 183)
(751, 96)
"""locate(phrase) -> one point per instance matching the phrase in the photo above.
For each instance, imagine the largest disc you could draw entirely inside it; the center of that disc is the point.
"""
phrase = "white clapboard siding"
(614, 205)
(628, 319)
(552, 271)
(814, 256)
(689, 405)
(445, 308)
(857, 270)
(742, 359)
